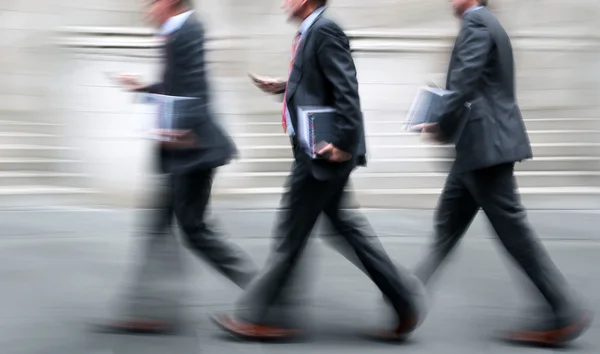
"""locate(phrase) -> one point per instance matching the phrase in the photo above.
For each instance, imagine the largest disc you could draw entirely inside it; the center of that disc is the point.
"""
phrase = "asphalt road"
(64, 269)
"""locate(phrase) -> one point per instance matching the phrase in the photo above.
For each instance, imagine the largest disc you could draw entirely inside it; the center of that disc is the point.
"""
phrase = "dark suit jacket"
(482, 73)
(324, 75)
(185, 75)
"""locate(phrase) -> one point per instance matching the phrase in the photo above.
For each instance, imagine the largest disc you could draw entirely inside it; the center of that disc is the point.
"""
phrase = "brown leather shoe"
(553, 336)
(253, 332)
(400, 333)
(139, 326)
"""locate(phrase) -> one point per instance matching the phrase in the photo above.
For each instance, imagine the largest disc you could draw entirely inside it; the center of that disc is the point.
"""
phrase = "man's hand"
(430, 132)
(177, 139)
(333, 154)
(129, 81)
(268, 84)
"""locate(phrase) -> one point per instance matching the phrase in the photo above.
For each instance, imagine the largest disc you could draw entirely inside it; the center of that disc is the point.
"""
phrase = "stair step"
(24, 138)
(40, 151)
(564, 163)
(577, 198)
(423, 150)
(60, 179)
(36, 164)
(366, 180)
(273, 126)
(11, 126)
(407, 138)
(42, 195)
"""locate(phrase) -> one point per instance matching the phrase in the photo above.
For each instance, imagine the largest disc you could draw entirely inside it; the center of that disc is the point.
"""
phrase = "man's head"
(460, 6)
(159, 11)
(298, 10)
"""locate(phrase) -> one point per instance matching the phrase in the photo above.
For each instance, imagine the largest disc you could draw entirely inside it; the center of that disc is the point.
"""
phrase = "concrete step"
(565, 163)
(273, 125)
(14, 126)
(426, 150)
(37, 164)
(407, 138)
(577, 198)
(366, 180)
(37, 178)
(39, 151)
(42, 195)
(20, 138)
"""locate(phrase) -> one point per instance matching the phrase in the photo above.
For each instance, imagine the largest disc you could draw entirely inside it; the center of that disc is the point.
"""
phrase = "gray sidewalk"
(62, 270)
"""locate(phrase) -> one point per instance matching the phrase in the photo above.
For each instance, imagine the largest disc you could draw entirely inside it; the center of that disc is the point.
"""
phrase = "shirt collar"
(174, 23)
(471, 9)
(305, 25)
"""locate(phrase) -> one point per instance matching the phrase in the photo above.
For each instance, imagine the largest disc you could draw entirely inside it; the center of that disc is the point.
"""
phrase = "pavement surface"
(62, 270)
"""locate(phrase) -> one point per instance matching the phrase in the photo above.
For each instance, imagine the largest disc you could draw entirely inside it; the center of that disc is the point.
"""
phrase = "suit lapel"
(296, 73)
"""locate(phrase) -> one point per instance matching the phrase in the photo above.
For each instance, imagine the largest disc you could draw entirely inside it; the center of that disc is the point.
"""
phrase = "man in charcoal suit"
(322, 73)
(482, 117)
(188, 154)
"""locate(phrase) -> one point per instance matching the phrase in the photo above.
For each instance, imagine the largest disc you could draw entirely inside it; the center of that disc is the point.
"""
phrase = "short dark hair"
(320, 2)
(483, 2)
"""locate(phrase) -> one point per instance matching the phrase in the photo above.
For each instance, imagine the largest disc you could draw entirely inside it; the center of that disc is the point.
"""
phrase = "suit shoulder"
(193, 26)
(481, 18)
(328, 27)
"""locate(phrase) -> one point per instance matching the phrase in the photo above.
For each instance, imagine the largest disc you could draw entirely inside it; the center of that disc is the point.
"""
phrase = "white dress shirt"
(304, 26)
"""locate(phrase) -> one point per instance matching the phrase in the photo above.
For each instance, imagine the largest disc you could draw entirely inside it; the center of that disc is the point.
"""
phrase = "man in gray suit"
(482, 117)
(322, 73)
(195, 148)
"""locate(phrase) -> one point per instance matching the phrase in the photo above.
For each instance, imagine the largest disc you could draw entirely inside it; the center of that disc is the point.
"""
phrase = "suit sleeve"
(153, 88)
(472, 52)
(337, 65)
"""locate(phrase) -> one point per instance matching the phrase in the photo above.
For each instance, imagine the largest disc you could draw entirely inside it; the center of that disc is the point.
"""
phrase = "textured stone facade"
(398, 46)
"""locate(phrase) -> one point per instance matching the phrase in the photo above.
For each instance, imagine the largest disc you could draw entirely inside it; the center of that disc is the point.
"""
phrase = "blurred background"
(73, 167)
(70, 137)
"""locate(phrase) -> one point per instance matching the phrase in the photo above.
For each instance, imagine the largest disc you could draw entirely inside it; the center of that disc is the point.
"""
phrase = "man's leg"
(191, 197)
(495, 190)
(397, 285)
(305, 202)
(455, 213)
(152, 300)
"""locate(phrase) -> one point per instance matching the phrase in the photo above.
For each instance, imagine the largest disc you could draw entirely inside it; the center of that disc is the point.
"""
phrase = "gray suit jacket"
(185, 75)
(482, 73)
(324, 75)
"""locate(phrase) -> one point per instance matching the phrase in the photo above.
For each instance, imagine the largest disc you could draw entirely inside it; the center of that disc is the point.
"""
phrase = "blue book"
(315, 128)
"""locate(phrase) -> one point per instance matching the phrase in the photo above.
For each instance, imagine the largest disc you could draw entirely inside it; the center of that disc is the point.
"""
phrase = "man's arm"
(471, 54)
(336, 62)
(154, 88)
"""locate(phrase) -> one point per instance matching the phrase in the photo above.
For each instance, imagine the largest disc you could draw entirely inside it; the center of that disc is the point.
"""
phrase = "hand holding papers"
(167, 128)
(315, 129)
(175, 138)
(424, 108)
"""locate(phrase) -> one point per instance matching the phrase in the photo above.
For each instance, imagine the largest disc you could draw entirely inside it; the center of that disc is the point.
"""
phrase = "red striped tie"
(283, 112)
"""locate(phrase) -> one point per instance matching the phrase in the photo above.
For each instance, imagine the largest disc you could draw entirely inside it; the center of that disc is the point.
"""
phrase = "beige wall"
(556, 52)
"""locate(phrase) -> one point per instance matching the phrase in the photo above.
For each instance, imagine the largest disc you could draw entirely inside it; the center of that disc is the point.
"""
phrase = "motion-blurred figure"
(322, 73)
(482, 112)
(188, 158)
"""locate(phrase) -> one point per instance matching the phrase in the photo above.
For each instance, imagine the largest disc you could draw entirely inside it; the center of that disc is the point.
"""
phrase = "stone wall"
(398, 46)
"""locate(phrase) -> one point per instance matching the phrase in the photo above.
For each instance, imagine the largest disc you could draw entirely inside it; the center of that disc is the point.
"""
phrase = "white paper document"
(166, 116)
(426, 100)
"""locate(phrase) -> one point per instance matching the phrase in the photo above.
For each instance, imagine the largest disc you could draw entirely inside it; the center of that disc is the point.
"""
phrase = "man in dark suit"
(322, 73)
(188, 154)
(482, 117)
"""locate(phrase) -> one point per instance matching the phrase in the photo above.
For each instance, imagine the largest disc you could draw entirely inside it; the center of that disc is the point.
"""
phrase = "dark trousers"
(493, 189)
(157, 283)
(306, 200)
